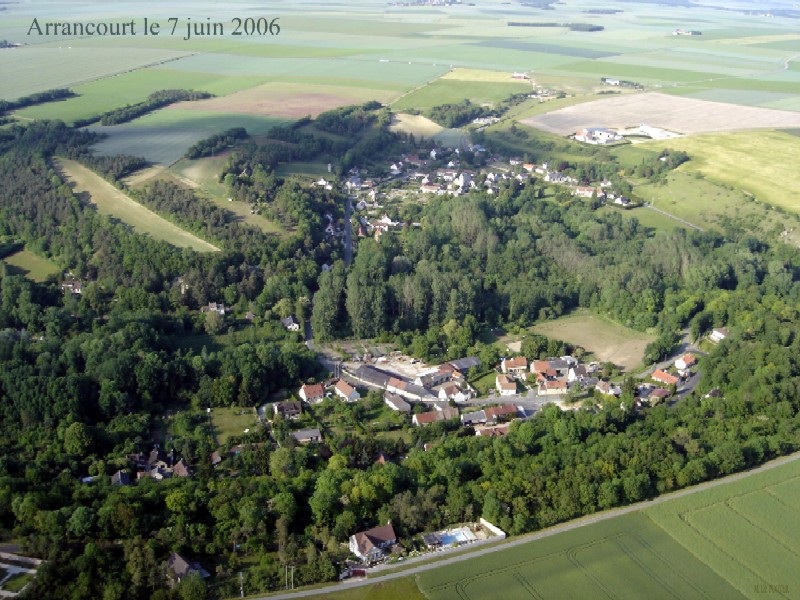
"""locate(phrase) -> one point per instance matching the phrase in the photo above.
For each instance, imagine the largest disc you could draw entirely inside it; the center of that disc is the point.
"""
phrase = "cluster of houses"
(556, 376)
(154, 465)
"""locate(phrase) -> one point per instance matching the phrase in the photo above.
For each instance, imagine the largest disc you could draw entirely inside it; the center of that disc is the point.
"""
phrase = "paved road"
(583, 522)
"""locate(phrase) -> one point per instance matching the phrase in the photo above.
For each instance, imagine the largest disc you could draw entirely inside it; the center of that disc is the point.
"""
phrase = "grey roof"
(307, 434)
(479, 416)
(397, 402)
(462, 364)
(371, 375)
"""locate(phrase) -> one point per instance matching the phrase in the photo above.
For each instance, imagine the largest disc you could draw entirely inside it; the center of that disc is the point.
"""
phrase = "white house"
(506, 386)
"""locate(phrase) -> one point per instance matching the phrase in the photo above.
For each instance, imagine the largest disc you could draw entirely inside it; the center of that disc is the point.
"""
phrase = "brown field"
(682, 115)
(607, 340)
(287, 100)
(416, 125)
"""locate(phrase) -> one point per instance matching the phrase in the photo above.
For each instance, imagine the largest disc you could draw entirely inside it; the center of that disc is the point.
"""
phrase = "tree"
(192, 587)
(77, 439)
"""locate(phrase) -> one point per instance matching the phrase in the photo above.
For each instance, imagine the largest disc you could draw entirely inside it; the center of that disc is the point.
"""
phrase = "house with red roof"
(664, 377)
(312, 393)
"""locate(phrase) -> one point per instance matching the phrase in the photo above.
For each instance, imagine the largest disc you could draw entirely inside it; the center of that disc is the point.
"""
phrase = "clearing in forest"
(30, 265)
(115, 203)
(607, 340)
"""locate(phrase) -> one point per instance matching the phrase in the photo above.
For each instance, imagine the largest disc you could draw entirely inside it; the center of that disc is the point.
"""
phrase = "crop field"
(682, 115)
(28, 70)
(625, 557)
(288, 100)
(744, 531)
(31, 265)
(757, 162)
(607, 340)
(445, 91)
(160, 145)
(113, 202)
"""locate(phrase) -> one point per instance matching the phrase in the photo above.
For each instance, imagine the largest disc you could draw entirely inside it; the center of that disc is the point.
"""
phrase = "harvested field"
(288, 100)
(607, 340)
(115, 203)
(416, 125)
(682, 115)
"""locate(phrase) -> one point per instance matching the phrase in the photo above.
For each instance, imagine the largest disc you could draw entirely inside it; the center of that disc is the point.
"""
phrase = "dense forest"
(87, 379)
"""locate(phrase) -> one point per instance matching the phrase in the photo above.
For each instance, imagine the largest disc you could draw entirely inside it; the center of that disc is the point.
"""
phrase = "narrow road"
(518, 541)
(348, 232)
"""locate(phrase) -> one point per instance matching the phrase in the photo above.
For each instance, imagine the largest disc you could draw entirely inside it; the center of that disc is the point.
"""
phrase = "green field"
(31, 265)
(28, 70)
(232, 421)
(445, 91)
(607, 340)
(113, 202)
(625, 557)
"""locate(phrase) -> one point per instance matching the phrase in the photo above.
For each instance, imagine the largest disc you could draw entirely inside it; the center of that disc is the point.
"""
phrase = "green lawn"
(31, 265)
(232, 421)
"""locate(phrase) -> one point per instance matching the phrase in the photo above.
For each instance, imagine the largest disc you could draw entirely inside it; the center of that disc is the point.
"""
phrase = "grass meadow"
(115, 203)
(31, 265)
(231, 421)
(607, 340)
(753, 161)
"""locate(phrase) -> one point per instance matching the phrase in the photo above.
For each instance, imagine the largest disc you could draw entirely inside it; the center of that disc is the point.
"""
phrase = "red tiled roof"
(313, 391)
(516, 362)
(344, 387)
(664, 377)
(501, 411)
